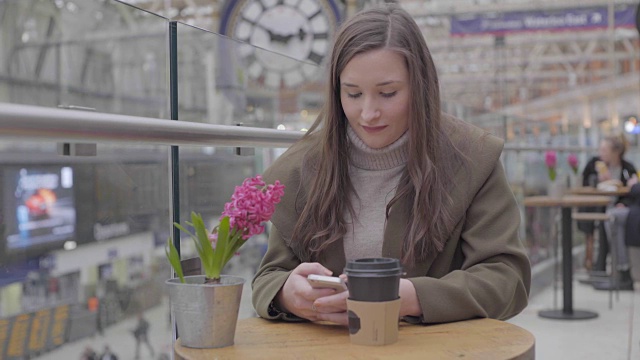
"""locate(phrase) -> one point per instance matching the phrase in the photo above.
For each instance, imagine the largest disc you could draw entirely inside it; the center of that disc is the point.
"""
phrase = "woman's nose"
(369, 110)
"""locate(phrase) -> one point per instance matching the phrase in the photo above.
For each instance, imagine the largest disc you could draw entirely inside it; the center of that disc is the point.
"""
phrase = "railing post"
(173, 105)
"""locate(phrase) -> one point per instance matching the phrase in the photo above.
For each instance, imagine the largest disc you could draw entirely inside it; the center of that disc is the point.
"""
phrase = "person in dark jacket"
(140, 333)
(632, 232)
(610, 164)
(613, 167)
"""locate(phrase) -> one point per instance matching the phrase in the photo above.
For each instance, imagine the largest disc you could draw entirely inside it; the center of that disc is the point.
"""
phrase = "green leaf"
(181, 228)
(235, 243)
(552, 173)
(222, 245)
(203, 245)
(197, 244)
(174, 259)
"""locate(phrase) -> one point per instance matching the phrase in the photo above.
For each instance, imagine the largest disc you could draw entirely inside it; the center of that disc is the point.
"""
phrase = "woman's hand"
(410, 305)
(334, 307)
(297, 296)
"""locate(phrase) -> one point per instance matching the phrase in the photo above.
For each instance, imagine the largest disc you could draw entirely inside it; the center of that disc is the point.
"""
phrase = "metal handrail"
(43, 123)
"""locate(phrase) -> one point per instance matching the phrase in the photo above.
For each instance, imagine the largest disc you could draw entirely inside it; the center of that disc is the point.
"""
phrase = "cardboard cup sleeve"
(373, 323)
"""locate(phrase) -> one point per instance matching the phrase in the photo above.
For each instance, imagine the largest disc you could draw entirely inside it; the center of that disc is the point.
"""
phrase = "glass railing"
(224, 81)
(101, 55)
(82, 249)
(83, 236)
(82, 246)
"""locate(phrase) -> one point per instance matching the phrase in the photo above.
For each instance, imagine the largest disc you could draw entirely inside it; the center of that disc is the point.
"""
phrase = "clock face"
(299, 29)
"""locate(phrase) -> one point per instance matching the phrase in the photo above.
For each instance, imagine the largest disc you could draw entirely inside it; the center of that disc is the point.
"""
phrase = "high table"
(588, 190)
(567, 202)
(257, 338)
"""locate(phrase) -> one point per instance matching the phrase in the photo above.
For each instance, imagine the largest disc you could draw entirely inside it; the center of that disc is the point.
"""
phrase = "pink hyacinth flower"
(572, 159)
(550, 159)
(252, 204)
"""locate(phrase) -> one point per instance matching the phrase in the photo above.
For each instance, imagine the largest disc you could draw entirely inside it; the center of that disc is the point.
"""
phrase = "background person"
(88, 354)
(141, 335)
(107, 354)
(382, 172)
(608, 165)
(616, 234)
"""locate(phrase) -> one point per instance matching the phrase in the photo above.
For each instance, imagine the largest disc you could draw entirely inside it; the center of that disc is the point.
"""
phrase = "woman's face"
(375, 96)
(606, 152)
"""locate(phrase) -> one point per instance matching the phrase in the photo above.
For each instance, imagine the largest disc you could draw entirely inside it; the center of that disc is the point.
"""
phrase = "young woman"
(382, 173)
(608, 165)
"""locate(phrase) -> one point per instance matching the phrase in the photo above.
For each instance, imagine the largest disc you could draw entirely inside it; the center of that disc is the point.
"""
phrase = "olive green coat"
(483, 271)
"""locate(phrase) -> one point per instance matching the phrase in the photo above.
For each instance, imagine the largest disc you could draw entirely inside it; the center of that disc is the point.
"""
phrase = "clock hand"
(301, 34)
(274, 37)
(282, 38)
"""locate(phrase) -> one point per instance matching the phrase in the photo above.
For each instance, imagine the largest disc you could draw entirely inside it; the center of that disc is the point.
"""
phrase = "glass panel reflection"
(223, 81)
(102, 55)
(82, 251)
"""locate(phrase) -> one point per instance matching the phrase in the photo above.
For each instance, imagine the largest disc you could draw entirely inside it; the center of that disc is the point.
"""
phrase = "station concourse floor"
(613, 335)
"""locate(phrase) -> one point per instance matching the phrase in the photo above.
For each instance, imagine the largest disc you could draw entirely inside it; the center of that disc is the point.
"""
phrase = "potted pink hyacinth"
(206, 306)
(572, 160)
(555, 188)
(551, 160)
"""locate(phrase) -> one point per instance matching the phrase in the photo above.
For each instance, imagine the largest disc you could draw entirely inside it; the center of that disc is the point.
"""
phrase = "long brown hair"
(429, 168)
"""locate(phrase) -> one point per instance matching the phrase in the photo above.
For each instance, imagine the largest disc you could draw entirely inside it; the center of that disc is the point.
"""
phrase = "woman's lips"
(373, 129)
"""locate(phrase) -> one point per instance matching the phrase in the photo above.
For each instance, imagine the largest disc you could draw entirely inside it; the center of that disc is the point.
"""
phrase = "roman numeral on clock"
(321, 36)
(315, 57)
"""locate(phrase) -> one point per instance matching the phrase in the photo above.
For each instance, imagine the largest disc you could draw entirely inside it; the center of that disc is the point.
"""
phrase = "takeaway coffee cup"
(373, 304)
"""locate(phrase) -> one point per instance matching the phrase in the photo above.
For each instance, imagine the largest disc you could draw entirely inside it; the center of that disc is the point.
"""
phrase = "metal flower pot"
(206, 314)
(555, 189)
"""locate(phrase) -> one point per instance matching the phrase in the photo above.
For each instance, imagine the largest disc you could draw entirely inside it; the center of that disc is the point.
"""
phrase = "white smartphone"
(320, 281)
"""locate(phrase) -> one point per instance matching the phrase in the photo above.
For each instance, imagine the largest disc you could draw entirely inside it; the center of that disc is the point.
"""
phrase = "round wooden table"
(567, 202)
(257, 338)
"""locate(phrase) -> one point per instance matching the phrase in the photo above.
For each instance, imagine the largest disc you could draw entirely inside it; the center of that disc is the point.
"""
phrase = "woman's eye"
(388, 95)
(354, 96)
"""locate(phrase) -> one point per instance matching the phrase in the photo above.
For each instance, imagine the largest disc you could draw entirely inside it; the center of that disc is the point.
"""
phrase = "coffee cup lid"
(373, 267)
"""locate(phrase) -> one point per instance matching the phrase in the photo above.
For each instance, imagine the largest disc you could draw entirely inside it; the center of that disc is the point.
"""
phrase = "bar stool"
(602, 217)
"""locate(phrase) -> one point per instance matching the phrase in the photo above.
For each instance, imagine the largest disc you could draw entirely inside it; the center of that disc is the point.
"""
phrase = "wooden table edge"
(185, 353)
(588, 190)
(566, 201)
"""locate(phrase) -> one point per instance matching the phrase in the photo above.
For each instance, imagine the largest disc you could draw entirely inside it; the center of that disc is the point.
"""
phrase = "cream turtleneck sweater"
(374, 174)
